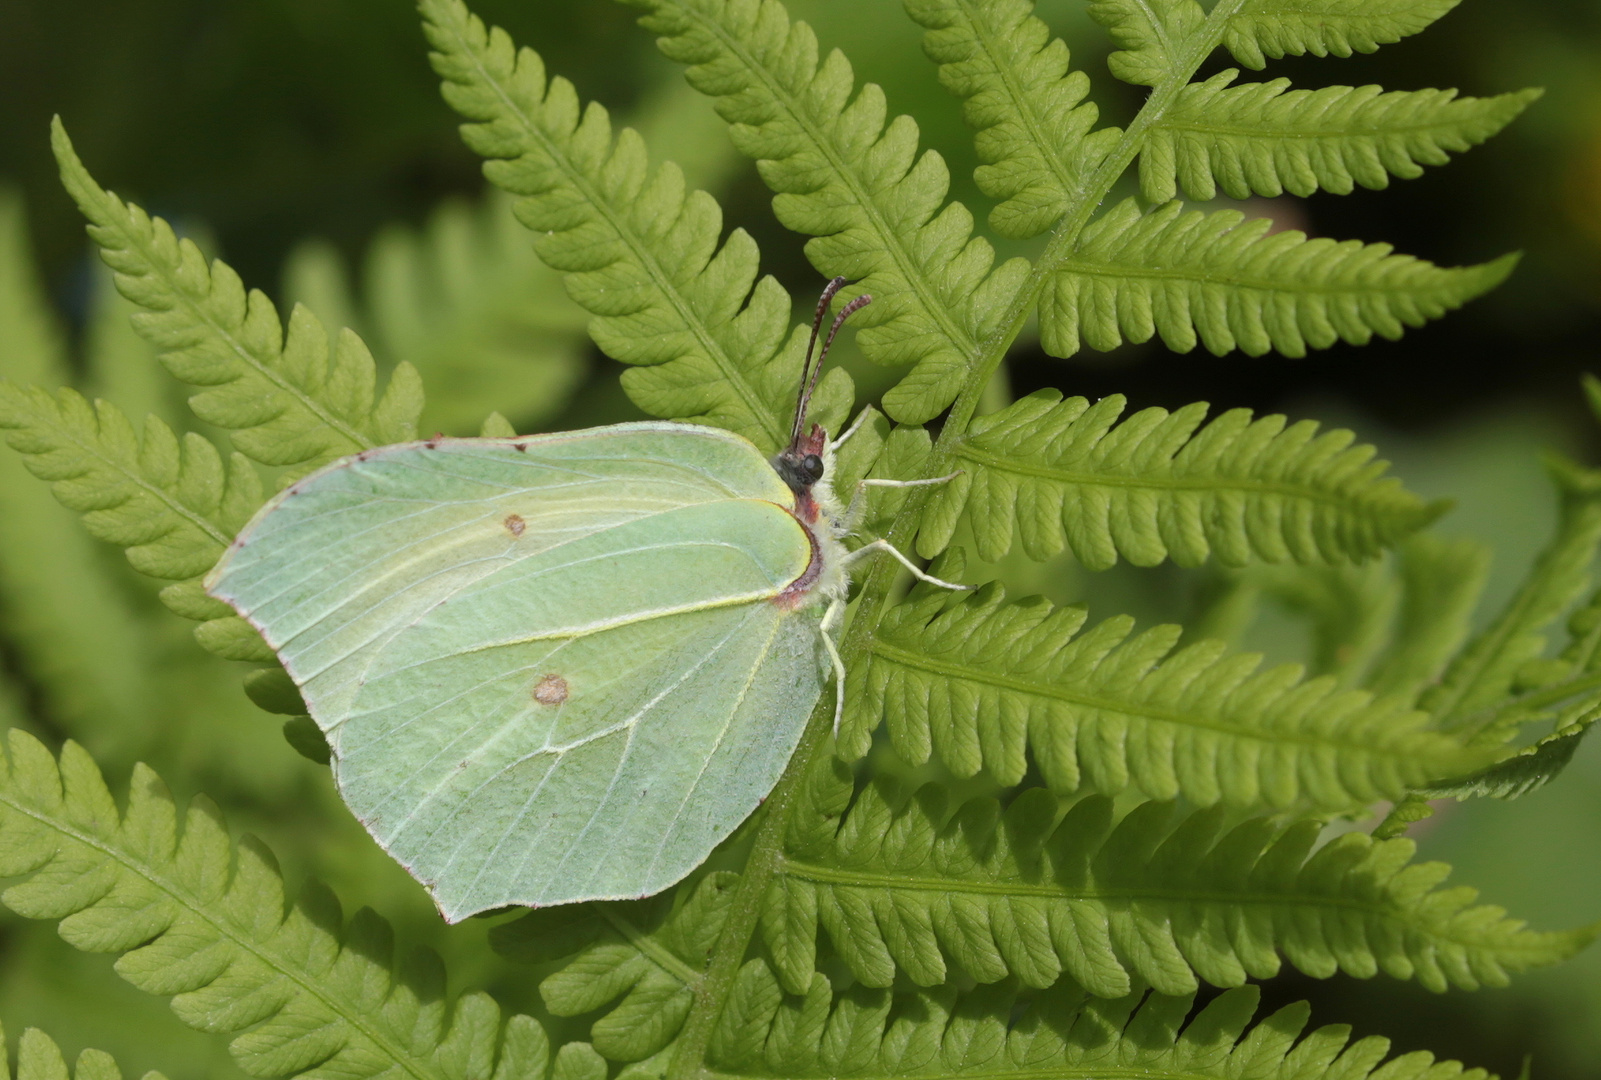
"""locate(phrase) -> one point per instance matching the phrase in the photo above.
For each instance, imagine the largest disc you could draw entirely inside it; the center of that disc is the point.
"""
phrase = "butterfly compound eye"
(812, 467)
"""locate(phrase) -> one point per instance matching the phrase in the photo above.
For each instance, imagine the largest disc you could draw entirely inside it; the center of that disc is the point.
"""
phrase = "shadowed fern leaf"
(203, 921)
(979, 682)
(1221, 281)
(875, 207)
(1265, 139)
(638, 963)
(1065, 474)
(1042, 888)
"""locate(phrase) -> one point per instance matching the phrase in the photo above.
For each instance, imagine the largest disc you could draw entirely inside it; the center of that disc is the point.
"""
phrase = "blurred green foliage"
(306, 140)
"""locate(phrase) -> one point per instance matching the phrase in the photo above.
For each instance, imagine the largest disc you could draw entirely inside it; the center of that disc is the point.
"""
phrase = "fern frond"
(990, 1032)
(1265, 139)
(1350, 611)
(283, 398)
(1064, 474)
(203, 921)
(39, 1058)
(639, 251)
(1263, 28)
(1036, 134)
(1482, 675)
(1218, 280)
(1149, 35)
(173, 505)
(979, 682)
(875, 207)
(1441, 581)
(1042, 888)
(464, 300)
(638, 963)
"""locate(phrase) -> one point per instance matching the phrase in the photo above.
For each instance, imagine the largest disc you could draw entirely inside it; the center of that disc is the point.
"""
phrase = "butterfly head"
(805, 461)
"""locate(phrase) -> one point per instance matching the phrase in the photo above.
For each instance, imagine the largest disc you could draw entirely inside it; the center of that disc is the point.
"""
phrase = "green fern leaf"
(1066, 475)
(638, 251)
(1263, 28)
(978, 682)
(858, 187)
(173, 505)
(1265, 139)
(284, 399)
(1221, 281)
(1043, 888)
(1149, 34)
(1062, 1032)
(39, 1058)
(1441, 583)
(639, 963)
(203, 921)
(1035, 130)
(1472, 695)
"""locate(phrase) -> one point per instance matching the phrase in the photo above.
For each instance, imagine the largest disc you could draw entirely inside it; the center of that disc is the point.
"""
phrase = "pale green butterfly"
(561, 667)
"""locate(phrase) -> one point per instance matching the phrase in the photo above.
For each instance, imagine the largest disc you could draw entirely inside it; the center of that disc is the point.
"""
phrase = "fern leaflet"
(858, 187)
(1150, 36)
(1262, 28)
(1265, 139)
(1036, 134)
(39, 1058)
(638, 962)
(979, 682)
(1065, 474)
(1441, 582)
(639, 252)
(284, 399)
(203, 921)
(1221, 281)
(989, 1032)
(1042, 888)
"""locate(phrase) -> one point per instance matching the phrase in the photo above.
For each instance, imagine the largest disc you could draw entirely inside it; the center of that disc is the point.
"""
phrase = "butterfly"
(560, 667)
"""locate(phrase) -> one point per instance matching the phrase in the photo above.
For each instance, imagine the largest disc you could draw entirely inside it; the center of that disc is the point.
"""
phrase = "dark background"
(264, 123)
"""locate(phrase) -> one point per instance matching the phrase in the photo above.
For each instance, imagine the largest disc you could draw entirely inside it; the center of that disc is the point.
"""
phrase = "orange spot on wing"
(515, 524)
(551, 690)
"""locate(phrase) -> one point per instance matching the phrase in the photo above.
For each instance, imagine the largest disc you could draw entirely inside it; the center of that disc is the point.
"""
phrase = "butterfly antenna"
(808, 376)
(810, 383)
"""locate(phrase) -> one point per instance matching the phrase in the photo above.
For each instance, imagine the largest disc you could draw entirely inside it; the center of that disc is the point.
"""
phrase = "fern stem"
(689, 1056)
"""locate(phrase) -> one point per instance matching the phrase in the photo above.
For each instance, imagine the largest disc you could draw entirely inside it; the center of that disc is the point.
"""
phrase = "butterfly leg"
(831, 620)
(858, 503)
(884, 545)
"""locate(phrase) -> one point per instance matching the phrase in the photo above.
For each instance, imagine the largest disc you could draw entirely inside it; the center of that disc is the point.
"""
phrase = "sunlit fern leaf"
(1150, 35)
(284, 399)
(638, 963)
(640, 252)
(1475, 694)
(1265, 139)
(1035, 130)
(203, 921)
(39, 1058)
(1064, 474)
(980, 682)
(1263, 28)
(1224, 282)
(174, 505)
(1044, 887)
(875, 207)
(1441, 580)
(994, 1031)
